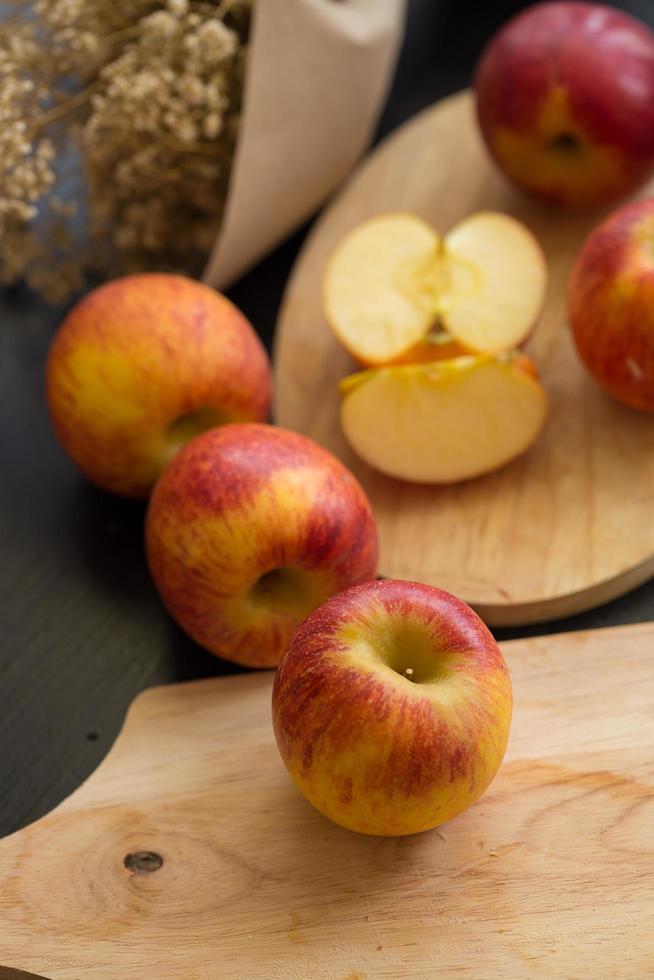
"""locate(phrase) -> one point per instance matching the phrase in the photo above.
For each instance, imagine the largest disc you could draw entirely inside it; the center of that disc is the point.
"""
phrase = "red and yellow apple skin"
(142, 364)
(611, 304)
(565, 101)
(371, 749)
(248, 530)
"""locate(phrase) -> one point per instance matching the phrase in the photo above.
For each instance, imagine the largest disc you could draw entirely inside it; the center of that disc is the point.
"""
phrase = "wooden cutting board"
(550, 874)
(566, 527)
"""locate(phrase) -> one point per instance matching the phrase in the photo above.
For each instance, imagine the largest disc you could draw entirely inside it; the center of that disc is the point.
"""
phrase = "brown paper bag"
(318, 75)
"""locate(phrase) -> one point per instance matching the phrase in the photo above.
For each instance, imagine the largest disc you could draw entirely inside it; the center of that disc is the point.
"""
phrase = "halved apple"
(445, 421)
(394, 292)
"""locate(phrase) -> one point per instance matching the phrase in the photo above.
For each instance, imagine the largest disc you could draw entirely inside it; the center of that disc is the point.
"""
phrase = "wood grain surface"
(566, 527)
(550, 874)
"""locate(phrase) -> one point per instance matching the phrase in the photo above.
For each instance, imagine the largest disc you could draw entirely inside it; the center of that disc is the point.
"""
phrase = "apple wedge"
(376, 294)
(496, 276)
(395, 293)
(445, 421)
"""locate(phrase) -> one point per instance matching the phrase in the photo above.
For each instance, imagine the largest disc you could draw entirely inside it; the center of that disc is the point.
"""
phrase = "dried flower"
(178, 7)
(145, 96)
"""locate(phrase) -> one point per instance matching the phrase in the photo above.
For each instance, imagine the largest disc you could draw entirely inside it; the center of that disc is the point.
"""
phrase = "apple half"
(445, 421)
(395, 292)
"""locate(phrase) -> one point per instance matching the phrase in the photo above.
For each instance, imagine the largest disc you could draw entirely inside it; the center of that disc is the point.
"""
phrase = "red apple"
(248, 530)
(565, 100)
(611, 304)
(141, 365)
(392, 707)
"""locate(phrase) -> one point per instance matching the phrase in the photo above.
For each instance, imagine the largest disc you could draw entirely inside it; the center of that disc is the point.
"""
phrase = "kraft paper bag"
(317, 78)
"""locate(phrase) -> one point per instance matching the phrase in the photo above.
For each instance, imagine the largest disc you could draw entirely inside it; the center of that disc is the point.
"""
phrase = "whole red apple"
(392, 707)
(248, 530)
(141, 365)
(611, 304)
(565, 100)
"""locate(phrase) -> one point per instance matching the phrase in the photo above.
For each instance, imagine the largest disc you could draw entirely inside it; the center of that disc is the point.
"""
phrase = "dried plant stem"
(123, 34)
(209, 149)
(62, 109)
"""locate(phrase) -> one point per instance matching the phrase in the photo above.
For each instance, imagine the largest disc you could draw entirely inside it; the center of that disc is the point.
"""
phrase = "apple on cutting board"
(444, 421)
(392, 707)
(140, 366)
(250, 528)
(396, 292)
(611, 304)
(565, 101)
(447, 397)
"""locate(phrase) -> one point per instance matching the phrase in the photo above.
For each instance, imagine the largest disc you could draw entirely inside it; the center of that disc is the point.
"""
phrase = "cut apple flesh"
(374, 294)
(395, 293)
(446, 421)
(497, 280)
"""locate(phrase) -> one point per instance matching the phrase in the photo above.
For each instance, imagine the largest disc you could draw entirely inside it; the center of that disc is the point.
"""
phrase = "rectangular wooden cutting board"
(550, 874)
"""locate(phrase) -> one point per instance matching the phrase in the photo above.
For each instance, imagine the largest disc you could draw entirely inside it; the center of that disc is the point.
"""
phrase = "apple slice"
(375, 294)
(497, 276)
(395, 293)
(446, 421)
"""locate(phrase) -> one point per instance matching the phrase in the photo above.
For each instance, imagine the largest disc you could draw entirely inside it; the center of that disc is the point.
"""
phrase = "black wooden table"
(82, 630)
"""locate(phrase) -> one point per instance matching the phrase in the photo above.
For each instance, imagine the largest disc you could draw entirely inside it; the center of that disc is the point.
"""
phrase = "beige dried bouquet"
(118, 121)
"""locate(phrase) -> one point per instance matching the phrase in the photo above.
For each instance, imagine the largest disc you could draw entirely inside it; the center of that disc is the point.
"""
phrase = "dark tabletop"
(82, 630)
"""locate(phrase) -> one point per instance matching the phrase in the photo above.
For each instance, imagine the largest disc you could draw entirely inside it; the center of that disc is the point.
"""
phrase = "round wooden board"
(570, 524)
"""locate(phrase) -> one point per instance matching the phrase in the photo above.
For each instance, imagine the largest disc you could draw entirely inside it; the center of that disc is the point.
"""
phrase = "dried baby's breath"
(149, 95)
